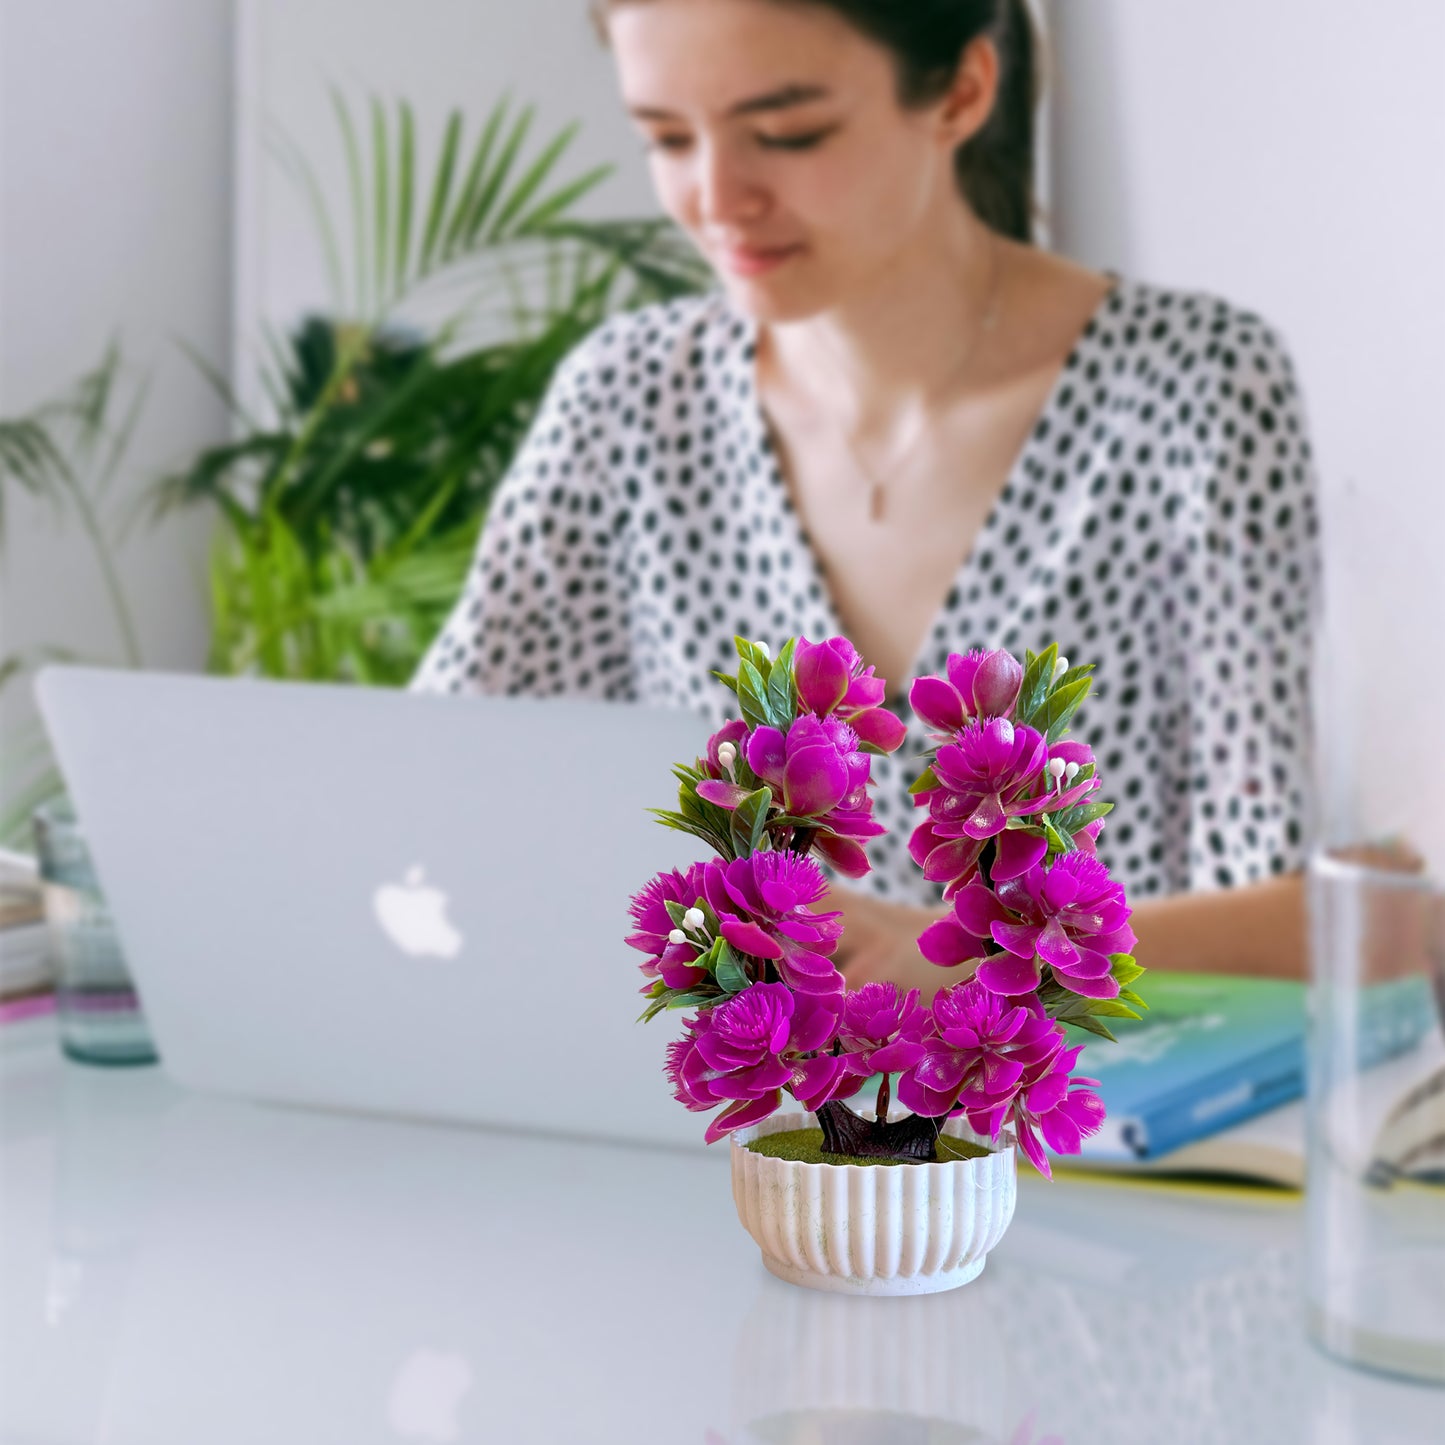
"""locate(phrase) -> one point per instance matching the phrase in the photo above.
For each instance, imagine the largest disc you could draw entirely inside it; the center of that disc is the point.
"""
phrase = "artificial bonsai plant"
(1038, 931)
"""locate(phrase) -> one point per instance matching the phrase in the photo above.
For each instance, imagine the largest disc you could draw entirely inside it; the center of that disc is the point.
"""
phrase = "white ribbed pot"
(872, 1229)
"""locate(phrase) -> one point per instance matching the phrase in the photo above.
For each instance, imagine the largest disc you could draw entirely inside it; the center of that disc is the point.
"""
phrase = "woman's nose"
(726, 192)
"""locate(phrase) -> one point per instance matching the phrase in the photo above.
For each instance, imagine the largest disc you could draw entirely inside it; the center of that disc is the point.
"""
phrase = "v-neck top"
(1159, 521)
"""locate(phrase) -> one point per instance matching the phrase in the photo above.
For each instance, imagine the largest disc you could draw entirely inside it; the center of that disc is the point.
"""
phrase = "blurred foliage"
(351, 513)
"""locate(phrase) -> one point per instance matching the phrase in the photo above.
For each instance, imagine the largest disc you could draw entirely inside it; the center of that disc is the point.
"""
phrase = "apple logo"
(414, 916)
(427, 1393)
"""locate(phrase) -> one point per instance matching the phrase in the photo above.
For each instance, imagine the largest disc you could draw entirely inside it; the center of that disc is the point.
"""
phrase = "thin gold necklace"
(987, 323)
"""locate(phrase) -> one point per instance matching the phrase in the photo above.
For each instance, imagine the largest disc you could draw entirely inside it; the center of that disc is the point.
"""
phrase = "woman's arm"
(1258, 928)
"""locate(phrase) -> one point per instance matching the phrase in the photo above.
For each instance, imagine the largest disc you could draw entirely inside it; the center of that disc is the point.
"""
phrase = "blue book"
(1216, 1049)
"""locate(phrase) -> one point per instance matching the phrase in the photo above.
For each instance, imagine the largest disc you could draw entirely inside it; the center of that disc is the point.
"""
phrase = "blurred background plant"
(350, 512)
(351, 495)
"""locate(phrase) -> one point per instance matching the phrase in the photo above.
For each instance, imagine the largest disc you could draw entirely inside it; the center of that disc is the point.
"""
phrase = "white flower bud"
(1060, 668)
(1056, 768)
(677, 936)
(693, 918)
(1071, 772)
(764, 649)
(727, 754)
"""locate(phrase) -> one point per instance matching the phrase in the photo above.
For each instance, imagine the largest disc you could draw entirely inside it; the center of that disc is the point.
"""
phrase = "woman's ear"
(970, 99)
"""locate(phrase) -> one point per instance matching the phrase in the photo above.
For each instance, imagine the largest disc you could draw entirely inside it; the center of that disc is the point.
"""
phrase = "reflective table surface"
(179, 1270)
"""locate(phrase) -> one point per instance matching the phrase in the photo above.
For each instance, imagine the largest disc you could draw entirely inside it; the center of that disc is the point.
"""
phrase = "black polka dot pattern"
(1159, 521)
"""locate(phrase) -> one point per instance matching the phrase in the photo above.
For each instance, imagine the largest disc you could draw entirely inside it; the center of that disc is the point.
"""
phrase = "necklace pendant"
(875, 503)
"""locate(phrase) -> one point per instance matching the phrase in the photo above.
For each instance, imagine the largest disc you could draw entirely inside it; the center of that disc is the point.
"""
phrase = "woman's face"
(776, 140)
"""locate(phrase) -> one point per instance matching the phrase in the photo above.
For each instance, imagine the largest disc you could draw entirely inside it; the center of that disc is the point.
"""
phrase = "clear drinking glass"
(1375, 1179)
(99, 1013)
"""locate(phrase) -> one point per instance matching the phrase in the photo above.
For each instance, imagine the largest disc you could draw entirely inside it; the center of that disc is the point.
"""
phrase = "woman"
(898, 420)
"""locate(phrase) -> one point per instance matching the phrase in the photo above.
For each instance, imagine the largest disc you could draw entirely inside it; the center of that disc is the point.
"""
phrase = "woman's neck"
(904, 343)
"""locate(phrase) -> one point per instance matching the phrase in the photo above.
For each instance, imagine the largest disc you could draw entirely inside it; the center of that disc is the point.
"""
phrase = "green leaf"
(441, 191)
(675, 911)
(731, 975)
(1059, 707)
(1123, 970)
(691, 1000)
(405, 195)
(782, 698)
(1111, 1008)
(1038, 672)
(506, 157)
(926, 779)
(749, 823)
(381, 193)
(1058, 842)
(532, 181)
(1092, 1024)
(752, 695)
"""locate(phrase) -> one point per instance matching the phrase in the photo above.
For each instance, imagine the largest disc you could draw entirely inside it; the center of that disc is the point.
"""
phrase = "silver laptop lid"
(386, 901)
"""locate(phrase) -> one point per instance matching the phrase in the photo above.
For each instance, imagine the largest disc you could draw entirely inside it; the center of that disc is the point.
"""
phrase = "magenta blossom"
(671, 962)
(882, 1029)
(746, 1051)
(978, 1050)
(763, 905)
(1072, 917)
(979, 685)
(1061, 1107)
(831, 679)
(985, 777)
(821, 774)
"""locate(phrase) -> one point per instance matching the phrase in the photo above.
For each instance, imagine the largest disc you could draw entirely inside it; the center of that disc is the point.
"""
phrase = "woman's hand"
(880, 943)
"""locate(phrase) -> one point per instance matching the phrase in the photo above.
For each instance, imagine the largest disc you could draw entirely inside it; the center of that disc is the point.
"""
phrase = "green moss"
(805, 1146)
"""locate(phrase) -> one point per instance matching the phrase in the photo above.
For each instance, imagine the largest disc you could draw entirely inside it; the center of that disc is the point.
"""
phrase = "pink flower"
(1061, 1107)
(1071, 917)
(831, 679)
(882, 1029)
(986, 776)
(671, 962)
(763, 905)
(979, 685)
(734, 1054)
(976, 1053)
(820, 774)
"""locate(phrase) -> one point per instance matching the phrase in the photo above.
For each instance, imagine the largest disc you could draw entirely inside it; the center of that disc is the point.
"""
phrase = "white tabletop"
(177, 1270)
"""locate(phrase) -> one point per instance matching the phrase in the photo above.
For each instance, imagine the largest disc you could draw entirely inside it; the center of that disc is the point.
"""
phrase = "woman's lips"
(756, 260)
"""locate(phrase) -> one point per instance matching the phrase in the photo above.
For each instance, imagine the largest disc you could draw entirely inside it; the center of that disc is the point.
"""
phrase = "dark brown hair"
(927, 39)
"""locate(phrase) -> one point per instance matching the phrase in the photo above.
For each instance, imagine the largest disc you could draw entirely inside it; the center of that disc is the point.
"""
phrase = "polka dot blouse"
(1159, 521)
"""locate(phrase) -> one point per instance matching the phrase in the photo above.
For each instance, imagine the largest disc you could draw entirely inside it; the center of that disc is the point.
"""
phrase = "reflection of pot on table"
(824, 1369)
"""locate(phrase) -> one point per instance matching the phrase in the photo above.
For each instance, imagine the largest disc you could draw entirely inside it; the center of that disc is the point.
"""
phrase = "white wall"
(115, 220)
(1290, 155)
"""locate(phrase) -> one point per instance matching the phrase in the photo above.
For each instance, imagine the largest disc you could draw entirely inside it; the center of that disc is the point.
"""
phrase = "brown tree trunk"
(913, 1138)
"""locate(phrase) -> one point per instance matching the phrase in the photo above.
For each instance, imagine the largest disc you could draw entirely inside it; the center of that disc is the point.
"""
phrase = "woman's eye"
(794, 142)
(668, 142)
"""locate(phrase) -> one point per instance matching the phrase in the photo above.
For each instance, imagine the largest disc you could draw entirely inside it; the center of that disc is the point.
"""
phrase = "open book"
(1211, 1081)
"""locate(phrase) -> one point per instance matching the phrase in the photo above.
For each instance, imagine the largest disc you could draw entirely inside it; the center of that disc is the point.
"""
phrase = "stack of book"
(1209, 1081)
(27, 973)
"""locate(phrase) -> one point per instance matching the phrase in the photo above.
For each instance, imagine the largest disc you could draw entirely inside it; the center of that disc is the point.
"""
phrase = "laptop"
(400, 903)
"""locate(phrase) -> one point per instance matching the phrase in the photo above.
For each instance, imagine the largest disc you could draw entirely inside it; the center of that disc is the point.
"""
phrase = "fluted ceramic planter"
(872, 1229)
